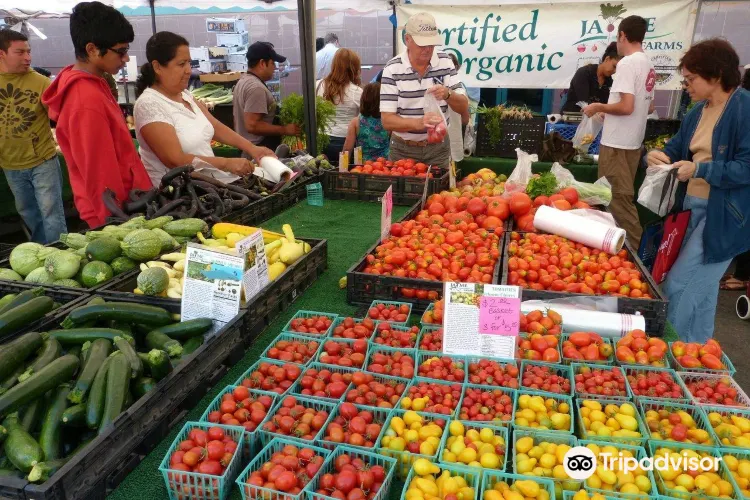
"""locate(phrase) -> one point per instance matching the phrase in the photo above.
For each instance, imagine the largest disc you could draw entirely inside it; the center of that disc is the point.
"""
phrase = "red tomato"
(520, 204)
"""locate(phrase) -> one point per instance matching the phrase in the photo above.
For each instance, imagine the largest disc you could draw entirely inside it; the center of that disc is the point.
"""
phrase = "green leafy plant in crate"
(293, 112)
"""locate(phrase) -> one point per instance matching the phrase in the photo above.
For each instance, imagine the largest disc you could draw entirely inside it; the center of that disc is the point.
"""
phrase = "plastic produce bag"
(434, 120)
(657, 193)
(521, 175)
(587, 131)
(598, 193)
(470, 140)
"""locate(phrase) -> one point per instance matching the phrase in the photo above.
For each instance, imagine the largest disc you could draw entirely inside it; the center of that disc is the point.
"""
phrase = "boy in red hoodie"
(91, 129)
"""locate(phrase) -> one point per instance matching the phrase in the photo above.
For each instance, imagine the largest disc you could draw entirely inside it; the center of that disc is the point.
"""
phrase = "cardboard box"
(207, 53)
(237, 59)
(231, 66)
(225, 25)
(232, 39)
(212, 66)
(220, 77)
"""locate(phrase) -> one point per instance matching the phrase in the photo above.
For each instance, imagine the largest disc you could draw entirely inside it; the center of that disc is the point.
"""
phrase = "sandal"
(734, 284)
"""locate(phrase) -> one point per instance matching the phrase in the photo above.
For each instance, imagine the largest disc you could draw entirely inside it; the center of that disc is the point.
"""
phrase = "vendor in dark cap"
(254, 106)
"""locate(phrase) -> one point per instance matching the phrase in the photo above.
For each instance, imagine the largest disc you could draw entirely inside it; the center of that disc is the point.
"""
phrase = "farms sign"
(542, 45)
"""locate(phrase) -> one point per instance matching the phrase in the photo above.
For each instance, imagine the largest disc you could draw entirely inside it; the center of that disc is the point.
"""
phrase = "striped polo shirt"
(402, 89)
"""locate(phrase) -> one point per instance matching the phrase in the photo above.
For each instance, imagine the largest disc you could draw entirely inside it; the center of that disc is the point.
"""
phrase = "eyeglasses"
(688, 80)
(122, 51)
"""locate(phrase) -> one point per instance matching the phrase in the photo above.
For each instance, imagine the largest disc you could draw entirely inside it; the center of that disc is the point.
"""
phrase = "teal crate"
(429, 308)
(521, 355)
(405, 458)
(739, 454)
(503, 432)
(266, 436)
(314, 194)
(309, 314)
(377, 341)
(474, 363)
(742, 401)
(472, 476)
(390, 351)
(577, 367)
(633, 370)
(566, 361)
(557, 438)
(728, 365)
(307, 359)
(357, 322)
(251, 384)
(419, 382)
(558, 369)
(369, 458)
(251, 437)
(423, 357)
(724, 411)
(194, 486)
(252, 492)
(313, 370)
(490, 478)
(512, 394)
(392, 303)
(568, 495)
(369, 398)
(699, 416)
(559, 398)
(638, 452)
(428, 329)
(379, 416)
(344, 345)
(633, 441)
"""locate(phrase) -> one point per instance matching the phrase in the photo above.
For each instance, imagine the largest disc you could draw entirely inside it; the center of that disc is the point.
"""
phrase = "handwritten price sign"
(499, 315)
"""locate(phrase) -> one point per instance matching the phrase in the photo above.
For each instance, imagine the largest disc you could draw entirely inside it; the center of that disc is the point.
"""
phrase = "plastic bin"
(315, 194)
(379, 416)
(633, 370)
(290, 337)
(491, 389)
(252, 383)
(560, 370)
(585, 434)
(578, 367)
(313, 369)
(317, 404)
(370, 459)
(309, 314)
(528, 135)
(421, 382)
(503, 432)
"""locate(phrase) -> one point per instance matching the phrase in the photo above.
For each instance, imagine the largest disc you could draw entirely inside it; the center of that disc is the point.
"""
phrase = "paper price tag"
(452, 175)
(386, 211)
(426, 185)
(255, 276)
(358, 155)
(499, 315)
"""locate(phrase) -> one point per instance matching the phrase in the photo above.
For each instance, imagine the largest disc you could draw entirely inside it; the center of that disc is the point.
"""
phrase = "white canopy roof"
(65, 6)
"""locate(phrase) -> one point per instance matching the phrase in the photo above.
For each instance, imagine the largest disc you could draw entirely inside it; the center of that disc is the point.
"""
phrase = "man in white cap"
(407, 78)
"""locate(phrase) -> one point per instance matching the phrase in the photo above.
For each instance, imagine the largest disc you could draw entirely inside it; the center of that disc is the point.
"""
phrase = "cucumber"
(95, 403)
(187, 329)
(136, 365)
(99, 350)
(49, 377)
(11, 379)
(30, 416)
(157, 362)
(7, 299)
(13, 320)
(82, 335)
(157, 340)
(21, 449)
(120, 311)
(118, 378)
(74, 416)
(50, 351)
(22, 298)
(14, 354)
(142, 385)
(50, 437)
(191, 345)
(42, 471)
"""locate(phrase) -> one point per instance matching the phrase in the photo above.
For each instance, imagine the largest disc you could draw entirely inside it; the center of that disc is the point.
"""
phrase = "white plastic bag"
(434, 120)
(658, 189)
(521, 175)
(587, 131)
(598, 193)
(470, 140)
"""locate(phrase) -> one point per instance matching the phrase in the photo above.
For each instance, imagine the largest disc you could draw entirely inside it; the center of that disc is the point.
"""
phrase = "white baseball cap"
(423, 29)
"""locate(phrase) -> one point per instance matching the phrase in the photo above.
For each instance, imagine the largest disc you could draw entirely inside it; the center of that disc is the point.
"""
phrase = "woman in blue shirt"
(367, 129)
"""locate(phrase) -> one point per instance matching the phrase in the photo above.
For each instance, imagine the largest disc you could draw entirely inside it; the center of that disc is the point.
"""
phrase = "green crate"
(405, 458)
(472, 475)
(425, 329)
(638, 452)
(251, 492)
(578, 366)
(429, 308)
(380, 416)
(195, 486)
(498, 431)
(559, 369)
(418, 381)
(255, 366)
(567, 361)
(520, 355)
(424, 356)
(340, 320)
(728, 365)
(392, 303)
(292, 337)
(743, 401)
(510, 392)
(636, 369)
(560, 398)
(390, 351)
(312, 370)
(568, 495)
(739, 454)
(397, 327)
(309, 314)
(549, 437)
(345, 343)
(490, 478)
(699, 416)
(386, 380)
(633, 441)
(369, 458)
(265, 436)
(724, 411)
(473, 360)
(251, 437)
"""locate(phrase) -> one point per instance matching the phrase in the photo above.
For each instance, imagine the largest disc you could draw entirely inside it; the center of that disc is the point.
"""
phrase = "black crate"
(528, 135)
(653, 310)
(272, 205)
(657, 128)
(369, 187)
(97, 469)
(5, 249)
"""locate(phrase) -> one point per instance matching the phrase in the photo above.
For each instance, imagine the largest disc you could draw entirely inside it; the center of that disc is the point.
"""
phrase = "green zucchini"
(21, 448)
(191, 345)
(157, 362)
(85, 352)
(128, 400)
(118, 378)
(11, 473)
(95, 403)
(14, 354)
(13, 320)
(120, 311)
(22, 298)
(94, 301)
(99, 350)
(187, 329)
(74, 416)
(59, 371)
(82, 335)
(74, 350)
(7, 299)
(11, 379)
(42, 471)
(50, 351)
(136, 365)
(141, 386)
(157, 340)
(30, 416)
(50, 437)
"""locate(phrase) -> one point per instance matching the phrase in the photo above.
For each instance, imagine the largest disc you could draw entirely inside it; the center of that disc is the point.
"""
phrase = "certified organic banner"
(542, 45)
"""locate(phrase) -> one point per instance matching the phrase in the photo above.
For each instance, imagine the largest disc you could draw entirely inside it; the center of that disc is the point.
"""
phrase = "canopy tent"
(65, 6)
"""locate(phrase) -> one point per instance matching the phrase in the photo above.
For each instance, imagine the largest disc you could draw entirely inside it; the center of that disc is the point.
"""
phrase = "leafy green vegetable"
(544, 185)
(293, 111)
(494, 116)
(593, 194)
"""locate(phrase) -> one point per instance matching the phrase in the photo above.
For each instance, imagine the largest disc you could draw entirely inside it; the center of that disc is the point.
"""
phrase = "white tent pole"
(305, 14)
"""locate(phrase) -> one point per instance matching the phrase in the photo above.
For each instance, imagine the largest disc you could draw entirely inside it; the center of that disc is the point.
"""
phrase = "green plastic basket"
(520, 355)
(345, 344)
(308, 314)
(497, 431)
(265, 436)
(561, 370)
(255, 366)
(426, 329)
(392, 303)
(340, 320)
(636, 369)
(293, 337)
(420, 381)
(490, 478)
(576, 370)
(251, 437)
(369, 458)
(473, 361)
(472, 476)
(568, 495)
(638, 452)
(743, 401)
(739, 455)
(312, 370)
(249, 491)
(314, 194)
(389, 351)
(548, 437)
(430, 308)
(194, 486)
(405, 458)
(728, 365)
(492, 423)
(567, 361)
(633, 441)
(380, 416)
(724, 411)
(560, 398)
(394, 327)
(394, 382)
(699, 416)
(424, 356)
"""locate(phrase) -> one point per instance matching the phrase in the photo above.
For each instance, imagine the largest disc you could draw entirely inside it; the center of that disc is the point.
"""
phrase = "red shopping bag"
(674, 228)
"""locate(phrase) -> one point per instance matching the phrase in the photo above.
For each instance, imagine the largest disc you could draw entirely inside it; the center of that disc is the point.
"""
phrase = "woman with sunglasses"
(711, 152)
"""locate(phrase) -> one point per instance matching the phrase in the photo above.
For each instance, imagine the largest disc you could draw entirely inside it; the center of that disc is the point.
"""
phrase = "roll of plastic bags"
(272, 169)
(591, 233)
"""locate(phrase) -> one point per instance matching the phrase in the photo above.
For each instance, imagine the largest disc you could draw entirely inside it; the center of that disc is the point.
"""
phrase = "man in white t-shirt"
(324, 57)
(630, 102)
